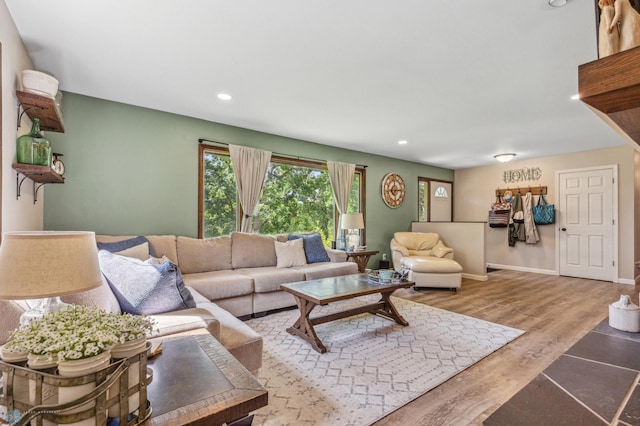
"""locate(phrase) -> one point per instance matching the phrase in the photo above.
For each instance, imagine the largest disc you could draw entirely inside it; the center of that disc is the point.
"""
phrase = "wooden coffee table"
(309, 294)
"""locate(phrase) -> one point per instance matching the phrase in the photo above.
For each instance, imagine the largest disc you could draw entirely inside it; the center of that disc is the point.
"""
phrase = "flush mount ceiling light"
(503, 158)
(224, 96)
(557, 3)
(402, 142)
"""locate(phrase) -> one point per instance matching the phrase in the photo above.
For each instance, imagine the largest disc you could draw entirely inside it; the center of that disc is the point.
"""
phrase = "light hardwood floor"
(555, 312)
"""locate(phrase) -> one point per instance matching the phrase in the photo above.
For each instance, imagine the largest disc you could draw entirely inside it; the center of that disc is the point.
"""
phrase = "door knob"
(563, 229)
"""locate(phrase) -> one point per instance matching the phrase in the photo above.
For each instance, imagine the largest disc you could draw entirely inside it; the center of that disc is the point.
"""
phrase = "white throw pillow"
(290, 253)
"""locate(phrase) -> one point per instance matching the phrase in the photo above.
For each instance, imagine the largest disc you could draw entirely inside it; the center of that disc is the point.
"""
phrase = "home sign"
(522, 175)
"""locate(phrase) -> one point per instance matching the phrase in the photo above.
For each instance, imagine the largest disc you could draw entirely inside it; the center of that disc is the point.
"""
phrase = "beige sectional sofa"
(229, 277)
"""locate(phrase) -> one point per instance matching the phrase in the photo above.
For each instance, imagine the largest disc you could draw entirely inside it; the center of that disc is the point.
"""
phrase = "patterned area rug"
(373, 367)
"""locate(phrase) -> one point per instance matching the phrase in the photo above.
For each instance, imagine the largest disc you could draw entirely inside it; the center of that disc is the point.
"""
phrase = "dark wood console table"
(196, 381)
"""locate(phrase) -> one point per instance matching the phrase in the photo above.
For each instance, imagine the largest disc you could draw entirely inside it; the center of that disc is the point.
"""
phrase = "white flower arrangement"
(77, 332)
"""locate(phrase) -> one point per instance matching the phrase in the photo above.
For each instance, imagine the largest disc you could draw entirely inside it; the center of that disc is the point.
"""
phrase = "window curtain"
(341, 178)
(249, 167)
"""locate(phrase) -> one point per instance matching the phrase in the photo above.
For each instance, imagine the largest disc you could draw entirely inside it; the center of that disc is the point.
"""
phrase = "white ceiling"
(460, 80)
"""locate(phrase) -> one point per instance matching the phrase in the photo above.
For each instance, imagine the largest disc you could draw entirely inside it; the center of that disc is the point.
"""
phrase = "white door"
(440, 201)
(585, 220)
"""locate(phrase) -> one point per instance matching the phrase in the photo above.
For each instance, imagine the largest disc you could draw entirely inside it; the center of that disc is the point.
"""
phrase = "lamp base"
(50, 304)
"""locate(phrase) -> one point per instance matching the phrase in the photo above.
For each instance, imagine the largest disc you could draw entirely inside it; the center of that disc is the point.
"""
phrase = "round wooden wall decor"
(393, 190)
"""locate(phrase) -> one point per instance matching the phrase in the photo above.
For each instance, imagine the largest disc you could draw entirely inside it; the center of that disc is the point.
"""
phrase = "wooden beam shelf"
(611, 86)
(40, 175)
(43, 108)
(535, 190)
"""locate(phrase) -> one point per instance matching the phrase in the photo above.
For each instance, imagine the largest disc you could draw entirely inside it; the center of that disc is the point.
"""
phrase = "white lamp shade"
(351, 221)
(36, 265)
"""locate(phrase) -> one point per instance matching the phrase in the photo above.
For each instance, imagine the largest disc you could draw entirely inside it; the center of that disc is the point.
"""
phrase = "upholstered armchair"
(429, 261)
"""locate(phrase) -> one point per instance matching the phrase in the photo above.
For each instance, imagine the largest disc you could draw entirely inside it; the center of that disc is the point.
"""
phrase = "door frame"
(427, 182)
(614, 215)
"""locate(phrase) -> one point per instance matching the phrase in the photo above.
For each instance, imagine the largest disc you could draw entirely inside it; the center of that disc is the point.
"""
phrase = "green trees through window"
(296, 197)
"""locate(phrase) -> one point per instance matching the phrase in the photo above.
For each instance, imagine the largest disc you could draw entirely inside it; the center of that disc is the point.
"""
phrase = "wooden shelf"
(43, 108)
(611, 86)
(40, 175)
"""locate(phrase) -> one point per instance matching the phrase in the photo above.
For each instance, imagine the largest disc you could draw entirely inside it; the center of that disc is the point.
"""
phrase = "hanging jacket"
(516, 224)
(530, 229)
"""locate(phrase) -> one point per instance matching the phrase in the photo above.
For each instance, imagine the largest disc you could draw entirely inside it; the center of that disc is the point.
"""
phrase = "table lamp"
(46, 265)
(352, 222)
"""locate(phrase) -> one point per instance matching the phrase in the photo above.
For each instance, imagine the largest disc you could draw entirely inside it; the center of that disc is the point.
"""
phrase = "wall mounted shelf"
(40, 175)
(43, 108)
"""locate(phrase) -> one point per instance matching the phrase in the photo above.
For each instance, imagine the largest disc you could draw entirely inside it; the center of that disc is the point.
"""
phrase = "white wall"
(475, 190)
(22, 214)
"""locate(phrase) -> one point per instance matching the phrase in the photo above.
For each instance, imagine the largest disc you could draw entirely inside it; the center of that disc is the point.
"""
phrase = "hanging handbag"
(500, 205)
(498, 219)
(544, 213)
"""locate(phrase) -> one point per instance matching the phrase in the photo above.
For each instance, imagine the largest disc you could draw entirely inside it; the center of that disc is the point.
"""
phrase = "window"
(441, 192)
(296, 197)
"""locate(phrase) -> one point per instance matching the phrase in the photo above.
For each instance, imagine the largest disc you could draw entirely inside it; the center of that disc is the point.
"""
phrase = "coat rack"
(535, 190)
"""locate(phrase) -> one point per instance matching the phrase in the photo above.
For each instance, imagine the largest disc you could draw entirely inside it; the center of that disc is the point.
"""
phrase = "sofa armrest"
(185, 320)
(337, 255)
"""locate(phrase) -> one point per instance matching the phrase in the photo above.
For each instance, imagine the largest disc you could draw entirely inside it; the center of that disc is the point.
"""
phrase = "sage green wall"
(133, 171)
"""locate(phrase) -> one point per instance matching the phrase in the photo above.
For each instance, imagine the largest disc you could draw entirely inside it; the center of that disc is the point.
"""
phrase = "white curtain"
(341, 177)
(249, 166)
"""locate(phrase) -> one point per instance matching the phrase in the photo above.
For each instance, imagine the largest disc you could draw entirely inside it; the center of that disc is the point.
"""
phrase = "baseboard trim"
(475, 277)
(522, 269)
(627, 281)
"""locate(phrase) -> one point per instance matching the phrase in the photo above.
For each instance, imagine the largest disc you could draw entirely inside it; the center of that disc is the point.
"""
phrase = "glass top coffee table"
(309, 294)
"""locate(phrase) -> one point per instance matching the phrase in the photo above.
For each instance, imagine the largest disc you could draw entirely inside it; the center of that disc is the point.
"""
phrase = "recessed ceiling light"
(402, 142)
(224, 96)
(575, 97)
(557, 3)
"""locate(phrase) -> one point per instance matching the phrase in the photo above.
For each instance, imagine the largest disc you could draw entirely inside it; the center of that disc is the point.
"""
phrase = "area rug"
(373, 367)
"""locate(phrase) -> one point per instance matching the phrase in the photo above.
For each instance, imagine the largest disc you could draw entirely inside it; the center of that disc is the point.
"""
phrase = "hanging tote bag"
(499, 214)
(544, 213)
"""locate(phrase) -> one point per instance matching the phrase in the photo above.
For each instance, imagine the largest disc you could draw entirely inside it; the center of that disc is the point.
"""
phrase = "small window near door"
(434, 200)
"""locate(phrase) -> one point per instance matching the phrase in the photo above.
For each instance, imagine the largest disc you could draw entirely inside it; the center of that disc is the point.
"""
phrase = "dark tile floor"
(595, 382)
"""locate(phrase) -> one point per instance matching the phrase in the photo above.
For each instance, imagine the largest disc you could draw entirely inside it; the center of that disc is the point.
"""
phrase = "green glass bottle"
(33, 148)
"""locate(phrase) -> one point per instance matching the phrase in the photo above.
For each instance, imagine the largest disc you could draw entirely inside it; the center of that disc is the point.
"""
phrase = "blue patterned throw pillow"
(118, 246)
(313, 248)
(143, 288)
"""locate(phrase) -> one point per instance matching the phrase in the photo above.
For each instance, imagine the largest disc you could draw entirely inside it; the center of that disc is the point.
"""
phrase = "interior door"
(585, 213)
(440, 198)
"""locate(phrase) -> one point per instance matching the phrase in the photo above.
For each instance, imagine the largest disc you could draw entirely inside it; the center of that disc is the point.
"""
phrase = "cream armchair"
(429, 261)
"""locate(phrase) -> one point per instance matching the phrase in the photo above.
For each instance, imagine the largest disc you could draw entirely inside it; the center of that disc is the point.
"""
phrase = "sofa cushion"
(252, 250)
(101, 297)
(197, 255)
(440, 250)
(417, 240)
(220, 284)
(316, 271)
(10, 318)
(160, 245)
(143, 288)
(290, 253)
(313, 248)
(269, 278)
(137, 247)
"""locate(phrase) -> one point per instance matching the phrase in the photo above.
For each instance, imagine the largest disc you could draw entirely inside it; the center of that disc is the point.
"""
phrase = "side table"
(361, 258)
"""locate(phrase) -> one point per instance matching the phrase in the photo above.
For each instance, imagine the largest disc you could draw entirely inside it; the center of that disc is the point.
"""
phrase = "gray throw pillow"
(125, 244)
(313, 248)
(143, 288)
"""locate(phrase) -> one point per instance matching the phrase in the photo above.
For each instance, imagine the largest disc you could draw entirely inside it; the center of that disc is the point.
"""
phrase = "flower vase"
(46, 364)
(126, 350)
(77, 368)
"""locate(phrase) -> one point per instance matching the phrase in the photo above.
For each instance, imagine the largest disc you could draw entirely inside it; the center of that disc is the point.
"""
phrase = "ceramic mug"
(386, 274)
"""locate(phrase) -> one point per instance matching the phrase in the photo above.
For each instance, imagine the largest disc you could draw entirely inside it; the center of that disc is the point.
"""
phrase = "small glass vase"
(33, 148)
